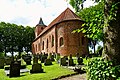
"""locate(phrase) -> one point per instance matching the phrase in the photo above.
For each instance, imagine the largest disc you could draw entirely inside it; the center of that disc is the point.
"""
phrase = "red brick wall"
(72, 42)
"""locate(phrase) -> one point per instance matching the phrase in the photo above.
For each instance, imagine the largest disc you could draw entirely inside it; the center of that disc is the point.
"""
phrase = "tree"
(93, 26)
(14, 38)
(112, 31)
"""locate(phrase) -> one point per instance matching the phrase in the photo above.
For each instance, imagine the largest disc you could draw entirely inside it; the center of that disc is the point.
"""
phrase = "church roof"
(64, 16)
(41, 23)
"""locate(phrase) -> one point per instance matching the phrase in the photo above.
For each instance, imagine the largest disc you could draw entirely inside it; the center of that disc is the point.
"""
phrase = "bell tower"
(39, 27)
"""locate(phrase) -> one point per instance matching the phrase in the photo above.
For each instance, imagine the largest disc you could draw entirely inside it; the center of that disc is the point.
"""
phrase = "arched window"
(83, 40)
(43, 45)
(61, 41)
(47, 44)
(52, 40)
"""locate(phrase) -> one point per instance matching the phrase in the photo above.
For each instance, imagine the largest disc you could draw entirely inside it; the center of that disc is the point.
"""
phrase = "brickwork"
(59, 38)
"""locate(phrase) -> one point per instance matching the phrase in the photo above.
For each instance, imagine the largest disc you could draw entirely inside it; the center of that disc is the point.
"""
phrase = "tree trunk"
(112, 33)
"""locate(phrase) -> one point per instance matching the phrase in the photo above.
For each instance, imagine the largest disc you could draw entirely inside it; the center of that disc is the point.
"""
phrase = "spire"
(41, 22)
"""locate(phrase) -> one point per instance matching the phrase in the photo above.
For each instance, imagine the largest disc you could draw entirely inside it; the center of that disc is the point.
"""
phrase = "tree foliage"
(14, 38)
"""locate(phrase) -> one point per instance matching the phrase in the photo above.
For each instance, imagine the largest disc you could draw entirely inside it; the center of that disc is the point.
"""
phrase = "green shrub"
(1, 54)
(99, 69)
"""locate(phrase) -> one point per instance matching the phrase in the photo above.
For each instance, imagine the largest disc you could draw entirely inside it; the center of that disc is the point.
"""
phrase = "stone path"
(75, 77)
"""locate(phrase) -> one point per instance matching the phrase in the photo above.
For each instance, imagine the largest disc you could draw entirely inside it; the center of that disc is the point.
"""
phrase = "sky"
(28, 12)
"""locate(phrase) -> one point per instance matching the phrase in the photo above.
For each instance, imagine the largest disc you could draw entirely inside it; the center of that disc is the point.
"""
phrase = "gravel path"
(75, 77)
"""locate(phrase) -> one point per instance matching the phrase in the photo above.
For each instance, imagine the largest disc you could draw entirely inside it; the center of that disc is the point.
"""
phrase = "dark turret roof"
(41, 23)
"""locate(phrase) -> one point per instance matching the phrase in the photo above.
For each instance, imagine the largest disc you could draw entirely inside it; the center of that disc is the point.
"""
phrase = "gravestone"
(2, 61)
(80, 61)
(77, 55)
(63, 61)
(36, 68)
(52, 58)
(57, 57)
(43, 58)
(8, 60)
(35, 59)
(15, 69)
(47, 62)
(70, 61)
(27, 59)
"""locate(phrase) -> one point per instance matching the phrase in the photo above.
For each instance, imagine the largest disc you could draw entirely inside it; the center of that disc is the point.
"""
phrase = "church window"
(52, 40)
(83, 40)
(47, 44)
(43, 46)
(61, 41)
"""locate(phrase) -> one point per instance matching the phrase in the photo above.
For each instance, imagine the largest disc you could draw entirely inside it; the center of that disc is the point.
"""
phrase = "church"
(57, 37)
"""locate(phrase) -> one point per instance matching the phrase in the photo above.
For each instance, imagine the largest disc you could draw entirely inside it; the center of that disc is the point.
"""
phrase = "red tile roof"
(65, 15)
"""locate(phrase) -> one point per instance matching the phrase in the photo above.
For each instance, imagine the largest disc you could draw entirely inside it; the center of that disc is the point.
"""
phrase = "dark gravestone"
(80, 61)
(43, 58)
(27, 59)
(2, 61)
(52, 58)
(47, 62)
(15, 69)
(36, 68)
(35, 59)
(77, 55)
(63, 61)
(70, 61)
(8, 60)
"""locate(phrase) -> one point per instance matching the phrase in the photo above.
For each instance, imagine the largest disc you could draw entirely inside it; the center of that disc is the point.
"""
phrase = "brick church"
(57, 37)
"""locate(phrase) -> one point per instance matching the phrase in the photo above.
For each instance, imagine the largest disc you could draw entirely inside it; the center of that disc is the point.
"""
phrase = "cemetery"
(81, 43)
(55, 64)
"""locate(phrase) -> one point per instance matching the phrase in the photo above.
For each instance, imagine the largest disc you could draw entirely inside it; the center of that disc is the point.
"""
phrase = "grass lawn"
(51, 72)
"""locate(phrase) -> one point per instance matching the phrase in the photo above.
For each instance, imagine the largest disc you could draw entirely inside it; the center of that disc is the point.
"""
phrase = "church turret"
(39, 27)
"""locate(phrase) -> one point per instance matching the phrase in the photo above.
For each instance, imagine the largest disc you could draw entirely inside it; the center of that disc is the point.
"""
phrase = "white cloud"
(28, 12)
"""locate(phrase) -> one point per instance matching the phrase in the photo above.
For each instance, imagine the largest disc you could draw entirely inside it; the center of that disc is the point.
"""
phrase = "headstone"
(80, 61)
(2, 61)
(47, 62)
(36, 68)
(57, 57)
(52, 58)
(43, 58)
(63, 61)
(15, 69)
(35, 59)
(8, 60)
(77, 55)
(70, 61)
(27, 59)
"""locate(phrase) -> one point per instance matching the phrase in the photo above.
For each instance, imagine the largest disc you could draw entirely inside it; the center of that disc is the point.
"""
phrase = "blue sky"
(28, 12)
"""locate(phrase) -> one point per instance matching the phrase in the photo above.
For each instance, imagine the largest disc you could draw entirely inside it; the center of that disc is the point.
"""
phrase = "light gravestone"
(57, 57)
(15, 69)
(2, 61)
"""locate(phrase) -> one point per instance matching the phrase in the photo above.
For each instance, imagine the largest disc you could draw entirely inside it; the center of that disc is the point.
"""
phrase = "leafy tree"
(14, 38)
(111, 30)
(93, 26)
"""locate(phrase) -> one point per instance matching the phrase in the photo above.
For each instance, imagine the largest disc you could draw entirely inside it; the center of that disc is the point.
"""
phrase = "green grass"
(51, 72)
